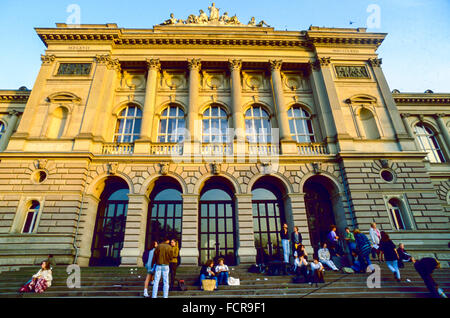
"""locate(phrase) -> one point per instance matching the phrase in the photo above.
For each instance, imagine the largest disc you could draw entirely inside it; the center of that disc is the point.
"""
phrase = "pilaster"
(246, 250)
(189, 242)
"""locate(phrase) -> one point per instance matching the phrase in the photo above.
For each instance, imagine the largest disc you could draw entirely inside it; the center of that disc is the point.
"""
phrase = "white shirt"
(324, 254)
(223, 268)
(374, 237)
(316, 266)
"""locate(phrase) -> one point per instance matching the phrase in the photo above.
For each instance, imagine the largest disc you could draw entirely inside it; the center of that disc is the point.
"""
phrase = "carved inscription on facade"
(74, 69)
(351, 71)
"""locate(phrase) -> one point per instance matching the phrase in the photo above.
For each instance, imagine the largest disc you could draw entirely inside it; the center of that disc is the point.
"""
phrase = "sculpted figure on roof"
(213, 13)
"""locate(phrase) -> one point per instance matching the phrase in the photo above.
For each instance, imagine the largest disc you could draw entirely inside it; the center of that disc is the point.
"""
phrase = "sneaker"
(408, 280)
(145, 293)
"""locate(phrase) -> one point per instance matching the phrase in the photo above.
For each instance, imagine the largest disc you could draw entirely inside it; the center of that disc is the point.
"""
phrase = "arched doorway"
(109, 231)
(268, 217)
(323, 209)
(165, 211)
(217, 235)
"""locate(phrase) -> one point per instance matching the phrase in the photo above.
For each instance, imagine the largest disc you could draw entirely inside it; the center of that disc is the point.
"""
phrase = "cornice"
(421, 98)
(8, 96)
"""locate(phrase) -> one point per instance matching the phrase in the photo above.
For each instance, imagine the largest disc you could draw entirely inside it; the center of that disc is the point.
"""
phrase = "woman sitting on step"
(40, 281)
(207, 272)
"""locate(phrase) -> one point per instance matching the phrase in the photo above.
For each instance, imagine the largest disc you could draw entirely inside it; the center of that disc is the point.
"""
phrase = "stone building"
(215, 132)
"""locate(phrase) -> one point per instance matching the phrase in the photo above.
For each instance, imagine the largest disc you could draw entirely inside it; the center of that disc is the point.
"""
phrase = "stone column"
(294, 204)
(246, 250)
(194, 66)
(280, 103)
(135, 230)
(95, 102)
(11, 125)
(33, 102)
(87, 229)
(443, 129)
(189, 242)
(408, 129)
(154, 67)
(392, 109)
(236, 98)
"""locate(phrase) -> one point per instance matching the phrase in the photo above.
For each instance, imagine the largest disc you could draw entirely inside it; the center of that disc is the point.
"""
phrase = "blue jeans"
(203, 277)
(222, 278)
(164, 270)
(286, 250)
(393, 266)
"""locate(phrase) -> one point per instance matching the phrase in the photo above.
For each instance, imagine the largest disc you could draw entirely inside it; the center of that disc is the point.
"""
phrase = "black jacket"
(284, 236)
(293, 240)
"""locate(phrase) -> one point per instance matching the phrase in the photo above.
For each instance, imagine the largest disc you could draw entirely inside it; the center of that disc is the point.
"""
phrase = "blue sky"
(416, 52)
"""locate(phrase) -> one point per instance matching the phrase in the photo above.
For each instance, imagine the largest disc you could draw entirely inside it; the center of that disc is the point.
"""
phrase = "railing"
(166, 149)
(216, 149)
(263, 149)
(118, 148)
(312, 149)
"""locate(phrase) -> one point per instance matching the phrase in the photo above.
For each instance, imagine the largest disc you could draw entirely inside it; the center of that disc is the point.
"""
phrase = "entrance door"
(266, 224)
(217, 235)
(320, 214)
(110, 230)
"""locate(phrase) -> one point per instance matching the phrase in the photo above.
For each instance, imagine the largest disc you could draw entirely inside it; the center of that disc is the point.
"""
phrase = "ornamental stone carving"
(153, 64)
(48, 58)
(194, 64)
(275, 64)
(235, 65)
(112, 168)
(107, 60)
(164, 168)
(375, 62)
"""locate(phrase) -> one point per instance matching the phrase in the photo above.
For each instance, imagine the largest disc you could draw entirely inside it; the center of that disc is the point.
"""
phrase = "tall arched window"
(31, 217)
(2, 129)
(58, 123)
(398, 215)
(257, 125)
(369, 124)
(171, 125)
(300, 125)
(128, 127)
(214, 125)
(429, 143)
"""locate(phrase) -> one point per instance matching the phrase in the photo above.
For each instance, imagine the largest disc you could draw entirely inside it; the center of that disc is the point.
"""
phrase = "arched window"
(214, 125)
(369, 124)
(31, 217)
(58, 123)
(429, 143)
(2, 129)
(128, 127)
(398, 215)
(171, 125)
(300, 125)
(257, 125)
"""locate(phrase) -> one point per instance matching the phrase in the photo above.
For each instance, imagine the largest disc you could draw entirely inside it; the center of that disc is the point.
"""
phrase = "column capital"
(440, 115)
(48, 59)
(194, 64)
(153, 64)
(405, 115)
(108, 61)
(375, 62)
(235, 65)
(14, 113)
(275, 65)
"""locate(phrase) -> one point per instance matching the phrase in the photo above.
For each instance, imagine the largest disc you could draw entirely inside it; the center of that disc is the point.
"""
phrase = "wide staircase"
(129, 281)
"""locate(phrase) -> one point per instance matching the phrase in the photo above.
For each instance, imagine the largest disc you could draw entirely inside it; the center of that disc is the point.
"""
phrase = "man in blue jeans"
(162, 256)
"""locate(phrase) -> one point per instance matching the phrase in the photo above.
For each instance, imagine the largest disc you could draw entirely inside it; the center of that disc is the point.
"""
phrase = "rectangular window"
(74, 69)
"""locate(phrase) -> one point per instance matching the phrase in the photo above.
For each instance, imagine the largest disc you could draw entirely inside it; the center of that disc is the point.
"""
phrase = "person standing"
(333, 240)
(296, 239)
(363, 247)
(173, 262)
(425, 268)
(351, 242)
(162, 256)
(403, 255)
(284, 234)
(147, 259)
(375, 237)
(390, 254)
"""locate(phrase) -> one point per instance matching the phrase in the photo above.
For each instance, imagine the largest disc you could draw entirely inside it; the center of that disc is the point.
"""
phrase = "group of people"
(220, 273)
(161, 260)
(359, 248)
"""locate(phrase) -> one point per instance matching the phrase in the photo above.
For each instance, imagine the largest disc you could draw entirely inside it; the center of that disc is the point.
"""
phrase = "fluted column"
(95, 100)
(236, 98)
(154, 67)
(194, 66)
(277, 88)
(443, 129)
(39, 87)
(9, 129)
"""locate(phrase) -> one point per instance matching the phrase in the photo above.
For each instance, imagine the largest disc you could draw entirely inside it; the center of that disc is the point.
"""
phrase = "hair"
(372, 224)
(347, 228)
(357, 231)
(324, 243)
(315, 258)
(209, 262)
(384, 237)
(153, 244)
(332, 226)
(296, 227)
(47, 264)
(220, 259)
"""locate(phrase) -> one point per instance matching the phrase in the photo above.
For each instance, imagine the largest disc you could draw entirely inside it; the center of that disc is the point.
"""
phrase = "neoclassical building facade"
(215, 132)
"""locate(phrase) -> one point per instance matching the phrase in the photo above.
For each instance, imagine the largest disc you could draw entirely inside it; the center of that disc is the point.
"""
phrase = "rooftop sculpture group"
(214, 19)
